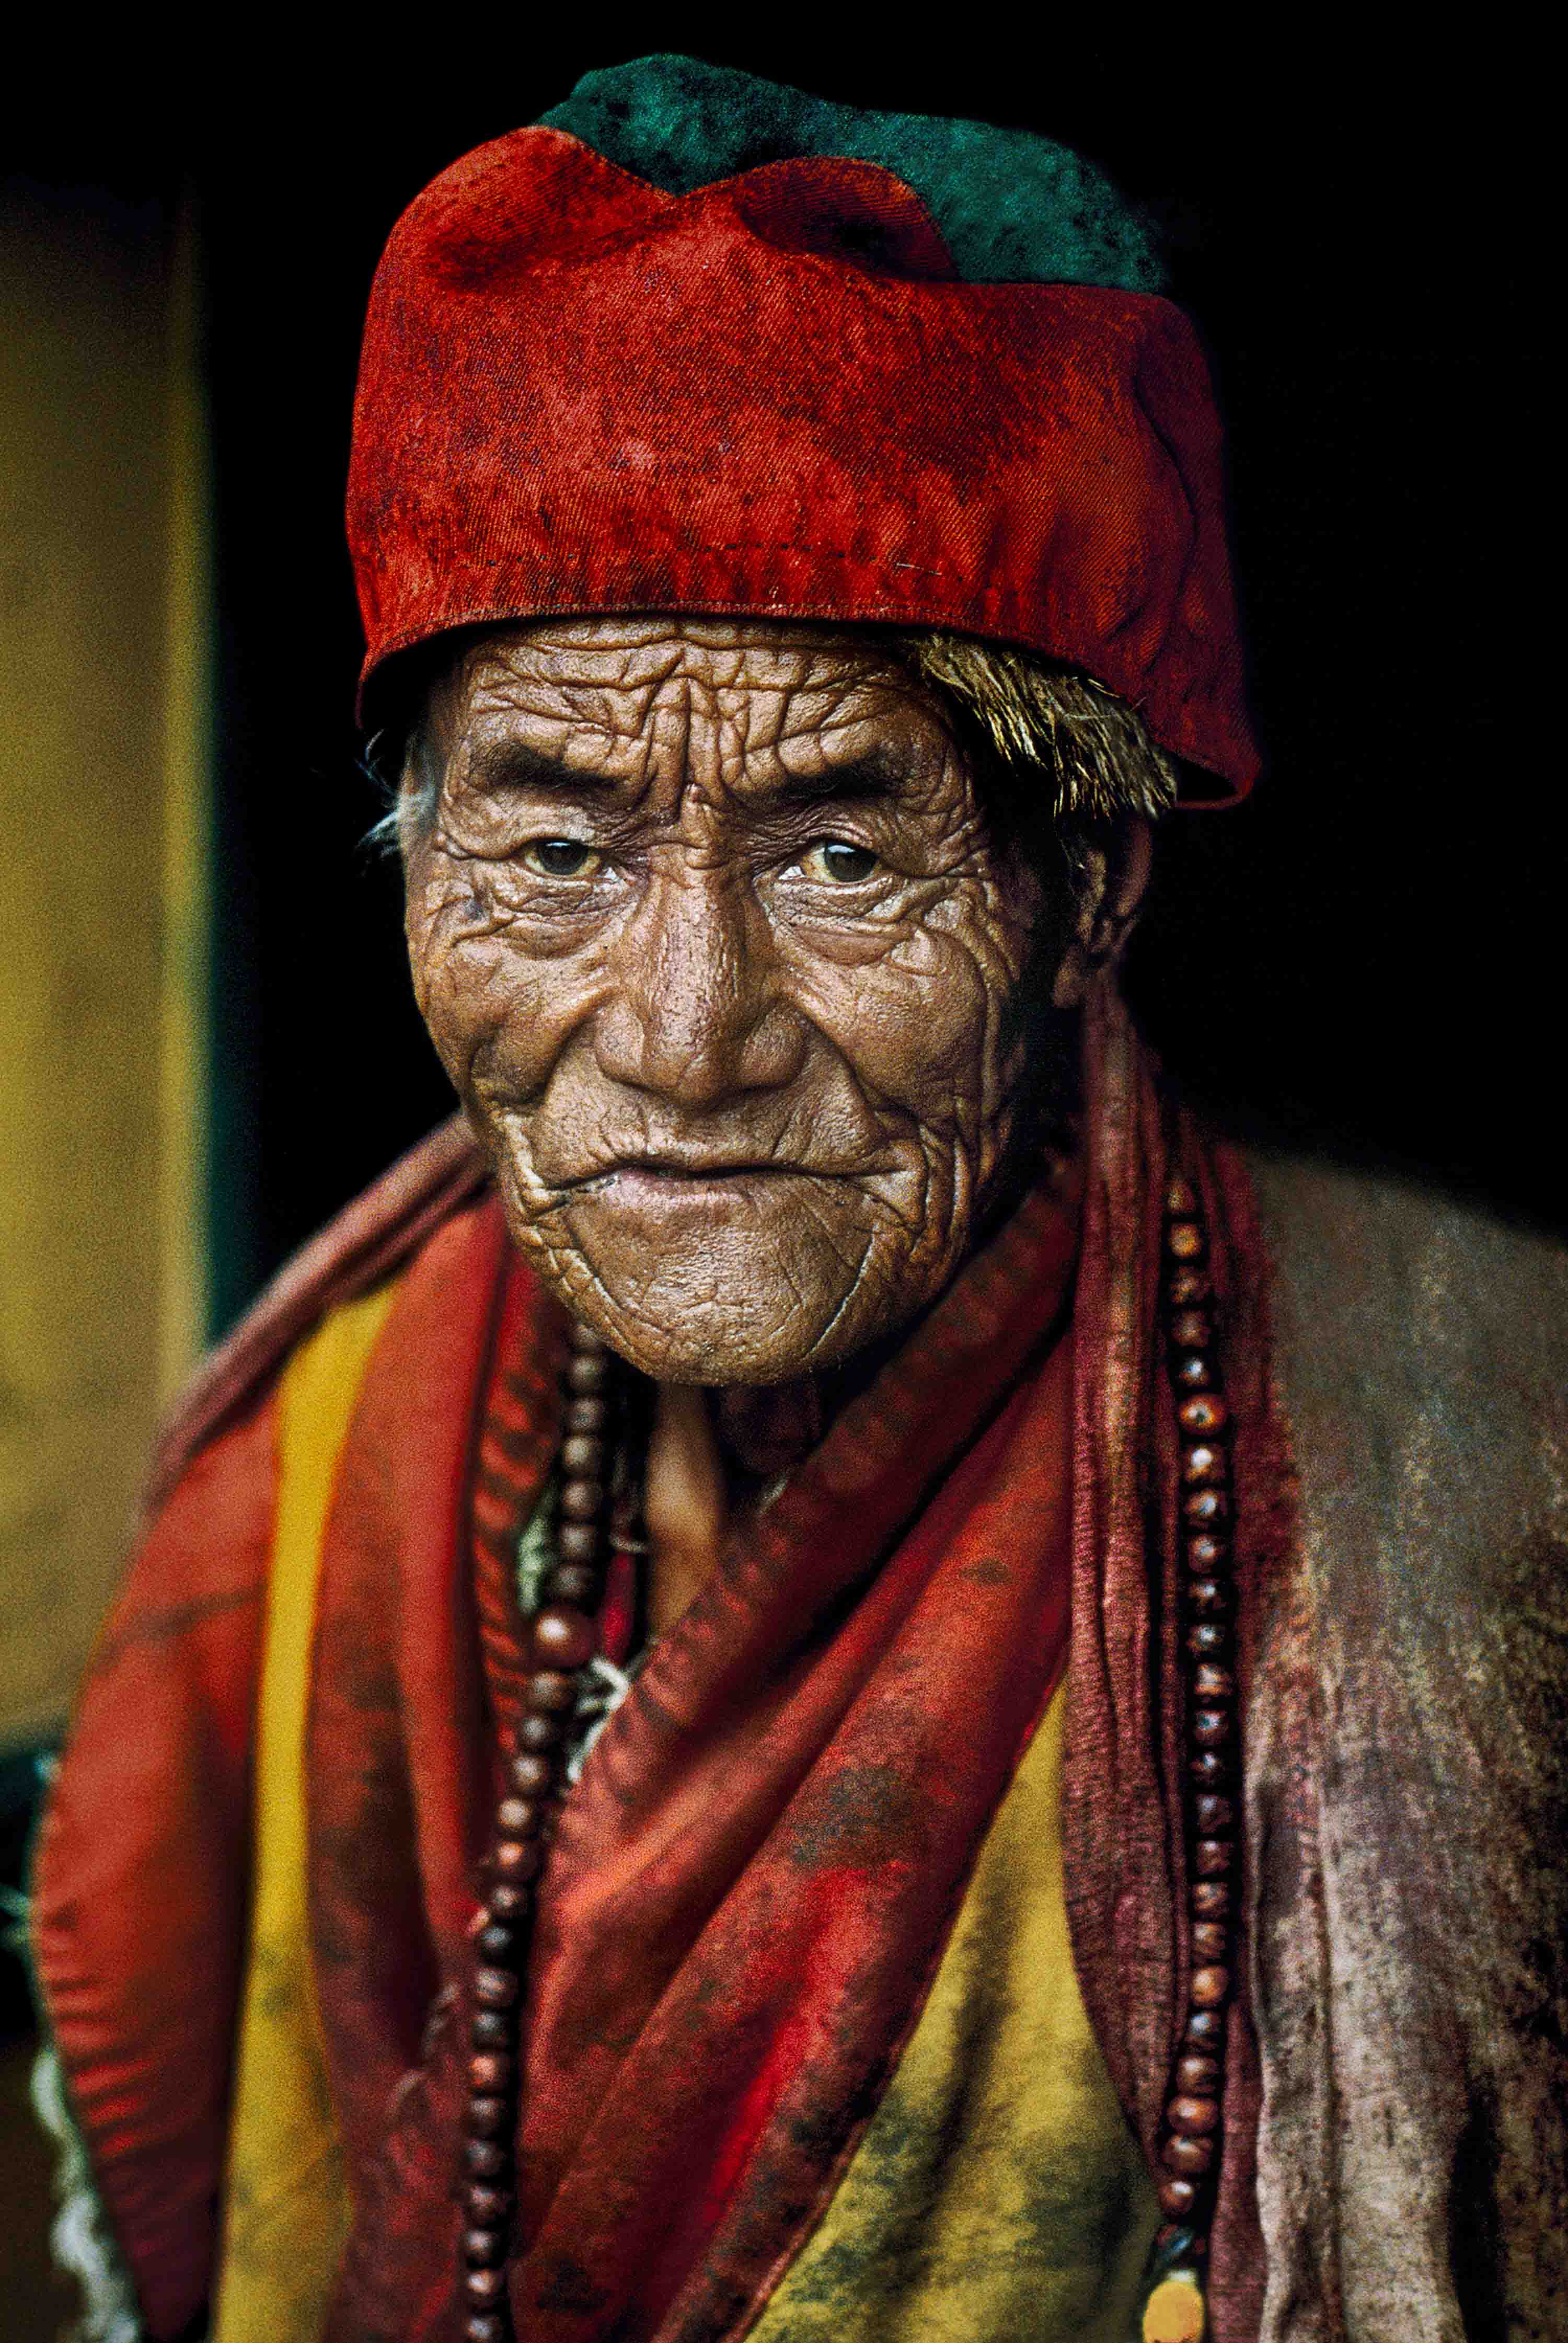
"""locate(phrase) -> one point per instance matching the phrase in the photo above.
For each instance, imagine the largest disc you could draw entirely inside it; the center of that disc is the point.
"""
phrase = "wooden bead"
(541, 1732)
(515, 1859)
(582, 1500)
(1183, 1241)
(486, 2116)
(578, 1542)
(1210, 1900)
(1203, 1507)
(583, 1456)
(1191, 1330)
(550, 1691)
(1210, 1987)
(508, 1899)
(1197, 2075)
(484, 2158)
(1213, 1815)
(589, 1415)
(518, 1817)
(485, 2286)
(1212, 1858)
(486, 2206)
(1211, 1598)
(484, 2248)
(1207, 1554)
(1186, 1286)
(486, 2326)
(491, 2072)
(1180, 1202)
(575, 1584)
(563, 1638)
(1208, 1940)
(587, 1373)
(1211, 1726)
(1212, 1683)
(490, 2029)
(499, 1943)
(1191, 2115)
(1202, 1464)
(1191, 2156)
(1178, 2196)
(532, 1774)
(1205, 1414)
(495, 1989)
(1206, 2031)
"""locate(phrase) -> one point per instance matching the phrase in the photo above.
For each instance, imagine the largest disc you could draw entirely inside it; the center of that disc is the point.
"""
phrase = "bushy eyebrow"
(517, 764)
(876, 774)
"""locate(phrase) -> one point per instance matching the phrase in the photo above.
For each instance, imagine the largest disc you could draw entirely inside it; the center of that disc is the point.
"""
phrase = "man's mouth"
(651, 1173)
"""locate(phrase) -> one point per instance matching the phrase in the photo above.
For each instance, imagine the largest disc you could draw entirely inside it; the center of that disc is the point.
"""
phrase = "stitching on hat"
(780, 545)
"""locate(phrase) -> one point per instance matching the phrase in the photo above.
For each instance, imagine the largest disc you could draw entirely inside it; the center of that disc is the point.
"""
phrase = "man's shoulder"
(1386, 1284)
(373, 1238)
(1421, 1346)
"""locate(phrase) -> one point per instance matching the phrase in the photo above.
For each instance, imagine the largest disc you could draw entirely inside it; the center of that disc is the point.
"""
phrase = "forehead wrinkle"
(696, 719)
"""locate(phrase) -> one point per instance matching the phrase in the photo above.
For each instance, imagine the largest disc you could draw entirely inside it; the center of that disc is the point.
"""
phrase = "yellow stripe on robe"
(287, 2209)
(997, 2195)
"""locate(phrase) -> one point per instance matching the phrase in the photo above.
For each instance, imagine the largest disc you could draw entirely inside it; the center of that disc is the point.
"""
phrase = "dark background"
(1364, 957)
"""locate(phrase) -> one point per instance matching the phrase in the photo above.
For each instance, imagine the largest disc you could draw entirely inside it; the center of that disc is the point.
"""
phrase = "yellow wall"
(102, 652)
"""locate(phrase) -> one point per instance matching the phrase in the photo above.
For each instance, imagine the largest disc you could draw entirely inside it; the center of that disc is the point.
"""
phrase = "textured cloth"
(285, 2209)
(997, 2189)
(1402, 1542)
(748, 1888)
(776, 395)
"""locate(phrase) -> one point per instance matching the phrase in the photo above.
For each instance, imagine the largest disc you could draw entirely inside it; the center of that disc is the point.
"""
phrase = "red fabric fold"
(141, 1874)
(751, 1883)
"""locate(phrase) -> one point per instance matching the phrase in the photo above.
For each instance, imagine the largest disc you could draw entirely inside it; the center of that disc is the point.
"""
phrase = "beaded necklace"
(594, 1522)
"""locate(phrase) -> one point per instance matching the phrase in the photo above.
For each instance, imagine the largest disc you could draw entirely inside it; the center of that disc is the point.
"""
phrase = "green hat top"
(1013, 207)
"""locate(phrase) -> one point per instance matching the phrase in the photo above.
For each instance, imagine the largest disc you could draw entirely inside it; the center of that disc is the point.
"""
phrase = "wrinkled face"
(711, 938)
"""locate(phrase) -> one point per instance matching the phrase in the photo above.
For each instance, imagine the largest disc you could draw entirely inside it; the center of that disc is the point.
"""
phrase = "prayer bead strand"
(561, 1640)
(1175, 2310)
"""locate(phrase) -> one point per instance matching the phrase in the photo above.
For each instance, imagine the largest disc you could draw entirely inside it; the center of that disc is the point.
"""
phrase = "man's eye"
(837, 861)
(561, 858)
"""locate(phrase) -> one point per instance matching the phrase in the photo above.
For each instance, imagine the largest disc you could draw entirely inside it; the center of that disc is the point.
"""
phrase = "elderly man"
(823, 1674)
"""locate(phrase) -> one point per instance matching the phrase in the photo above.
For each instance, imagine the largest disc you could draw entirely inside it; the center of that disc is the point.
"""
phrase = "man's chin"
(713, 1298)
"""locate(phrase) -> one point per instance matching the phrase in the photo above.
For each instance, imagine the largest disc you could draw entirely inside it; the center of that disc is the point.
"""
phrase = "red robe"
(751, 1886)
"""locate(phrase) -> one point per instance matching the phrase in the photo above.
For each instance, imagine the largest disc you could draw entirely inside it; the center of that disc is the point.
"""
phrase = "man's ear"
(1110, 890)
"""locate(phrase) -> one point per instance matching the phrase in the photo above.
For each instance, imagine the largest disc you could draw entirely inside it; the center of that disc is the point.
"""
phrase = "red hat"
(773, 395)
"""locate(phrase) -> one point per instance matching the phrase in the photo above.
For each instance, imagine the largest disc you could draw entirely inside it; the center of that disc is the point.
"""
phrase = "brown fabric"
(1408, 1778)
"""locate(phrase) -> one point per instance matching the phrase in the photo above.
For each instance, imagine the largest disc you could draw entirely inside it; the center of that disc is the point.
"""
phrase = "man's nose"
(697, 1014)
